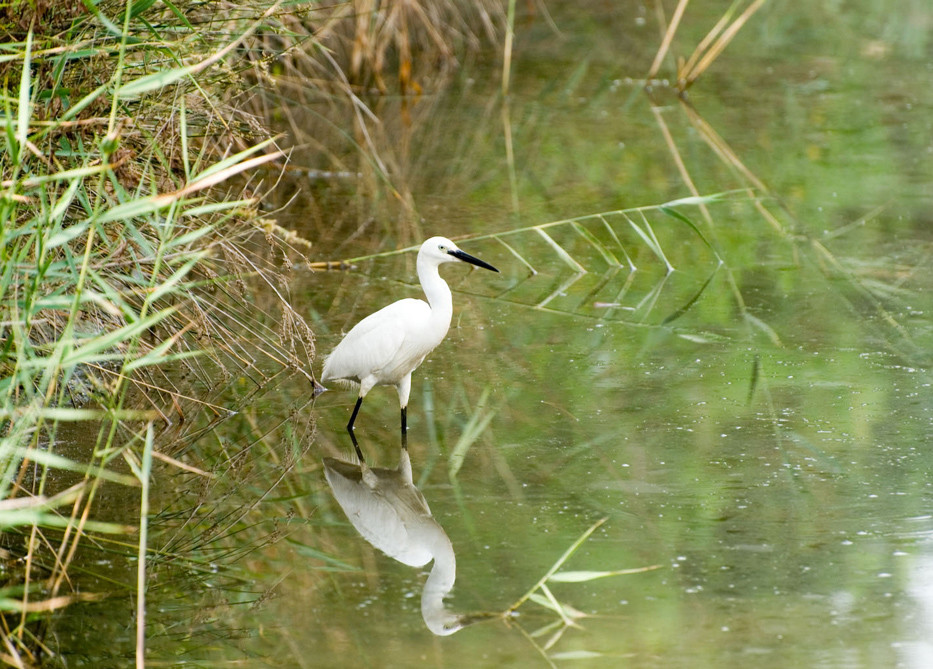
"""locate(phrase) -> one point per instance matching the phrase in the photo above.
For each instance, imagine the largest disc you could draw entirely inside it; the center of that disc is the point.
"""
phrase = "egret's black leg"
(405, 428)
(356, 410)
(359, 453)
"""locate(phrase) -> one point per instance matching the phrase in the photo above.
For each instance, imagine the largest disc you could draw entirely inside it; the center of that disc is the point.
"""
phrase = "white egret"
(391, 513)
(386, 347)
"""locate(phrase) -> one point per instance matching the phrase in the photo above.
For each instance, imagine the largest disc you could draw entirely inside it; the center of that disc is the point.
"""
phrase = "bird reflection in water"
(391, 513)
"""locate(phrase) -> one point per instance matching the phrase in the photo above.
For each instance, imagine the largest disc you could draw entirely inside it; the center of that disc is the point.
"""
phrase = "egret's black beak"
(466, 257)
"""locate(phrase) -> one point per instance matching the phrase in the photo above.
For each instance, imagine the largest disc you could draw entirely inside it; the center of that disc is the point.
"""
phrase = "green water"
(755, 422)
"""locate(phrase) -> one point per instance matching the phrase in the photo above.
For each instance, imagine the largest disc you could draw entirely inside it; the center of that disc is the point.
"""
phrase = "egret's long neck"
(437, 291)
(440, 582)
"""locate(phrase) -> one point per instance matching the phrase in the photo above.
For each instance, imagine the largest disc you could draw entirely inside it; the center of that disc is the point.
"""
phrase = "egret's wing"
(375, 341)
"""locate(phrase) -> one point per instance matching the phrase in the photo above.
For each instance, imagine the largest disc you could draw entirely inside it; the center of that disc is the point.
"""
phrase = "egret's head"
(440, 250)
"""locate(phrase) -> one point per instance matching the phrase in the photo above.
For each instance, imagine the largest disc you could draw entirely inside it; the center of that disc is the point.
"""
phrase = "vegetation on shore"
(130, 237)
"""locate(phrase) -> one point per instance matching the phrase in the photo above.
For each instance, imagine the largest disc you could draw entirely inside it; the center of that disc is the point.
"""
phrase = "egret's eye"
(442, 248)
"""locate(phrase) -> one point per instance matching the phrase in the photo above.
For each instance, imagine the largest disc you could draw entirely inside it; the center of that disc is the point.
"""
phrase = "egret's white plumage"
(391, 513)
(386, 347)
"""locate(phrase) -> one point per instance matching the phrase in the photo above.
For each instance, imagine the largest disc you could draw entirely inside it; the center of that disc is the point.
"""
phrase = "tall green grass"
(128, 224)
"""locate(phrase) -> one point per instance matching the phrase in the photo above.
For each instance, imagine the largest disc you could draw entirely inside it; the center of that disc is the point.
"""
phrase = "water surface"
(741, 389)
(756, 421)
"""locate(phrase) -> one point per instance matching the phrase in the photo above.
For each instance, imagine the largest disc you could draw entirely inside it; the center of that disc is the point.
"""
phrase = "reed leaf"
(144, 475)
(55, 461)
(96, 346)
(584, 576)
(171, 283)
(25, 101)
(577, 655)
(687, 78)
(71, 415)
(63, 175)
(138, 208)
(10, 604)
(668, 38)
(28, 517)
(66, 235)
